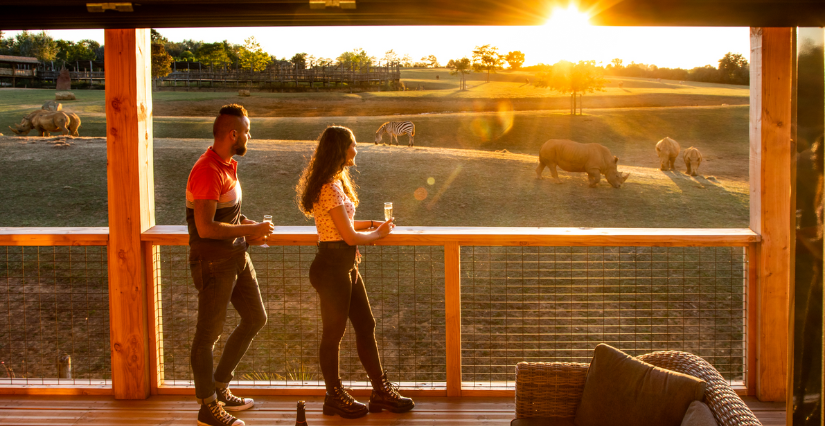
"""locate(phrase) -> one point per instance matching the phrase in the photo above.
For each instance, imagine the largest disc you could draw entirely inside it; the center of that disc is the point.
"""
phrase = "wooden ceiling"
(60, 14)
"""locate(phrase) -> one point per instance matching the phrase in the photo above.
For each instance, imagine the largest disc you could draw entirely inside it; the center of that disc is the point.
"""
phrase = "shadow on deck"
(269, 410)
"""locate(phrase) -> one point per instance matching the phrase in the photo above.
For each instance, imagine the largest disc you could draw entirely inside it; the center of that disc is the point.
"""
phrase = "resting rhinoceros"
(591, 158)
(693, 158)
(44, 122)
(667, 149)
(52, 106)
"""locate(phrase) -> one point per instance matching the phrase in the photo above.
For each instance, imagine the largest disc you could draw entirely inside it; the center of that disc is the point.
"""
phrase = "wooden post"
(131, 204)
(770, 201)
(452, 307)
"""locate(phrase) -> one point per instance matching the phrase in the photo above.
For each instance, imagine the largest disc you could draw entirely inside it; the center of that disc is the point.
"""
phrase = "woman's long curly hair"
(328, 163)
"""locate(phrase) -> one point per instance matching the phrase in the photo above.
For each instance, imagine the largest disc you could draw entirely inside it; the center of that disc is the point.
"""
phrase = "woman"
(326, 193)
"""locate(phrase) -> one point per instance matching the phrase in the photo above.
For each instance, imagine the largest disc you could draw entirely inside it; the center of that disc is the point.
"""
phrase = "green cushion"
(544, 421)
(698, 414)
(622, 391)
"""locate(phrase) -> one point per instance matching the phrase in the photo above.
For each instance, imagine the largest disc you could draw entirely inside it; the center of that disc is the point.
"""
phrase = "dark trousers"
(339, 285)
(220, 282)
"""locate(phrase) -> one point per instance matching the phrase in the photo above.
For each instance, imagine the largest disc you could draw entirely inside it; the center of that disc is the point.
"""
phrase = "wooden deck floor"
(175, 410)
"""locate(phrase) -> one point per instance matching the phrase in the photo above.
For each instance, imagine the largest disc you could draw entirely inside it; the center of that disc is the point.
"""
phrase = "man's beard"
(240, 150)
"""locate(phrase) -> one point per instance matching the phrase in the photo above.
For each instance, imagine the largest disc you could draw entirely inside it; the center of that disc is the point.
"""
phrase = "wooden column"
(770, 201)
(452, 307)
(131, 204)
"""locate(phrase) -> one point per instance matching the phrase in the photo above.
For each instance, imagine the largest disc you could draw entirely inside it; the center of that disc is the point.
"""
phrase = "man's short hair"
(235, 110)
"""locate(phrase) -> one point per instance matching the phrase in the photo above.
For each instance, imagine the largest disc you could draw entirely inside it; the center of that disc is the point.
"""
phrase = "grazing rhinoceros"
(693, 158)
(667, 149)
(44, 122)
(591, 158)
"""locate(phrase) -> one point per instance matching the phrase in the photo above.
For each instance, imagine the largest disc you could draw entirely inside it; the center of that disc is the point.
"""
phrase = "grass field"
(67, 187)
(488, 136)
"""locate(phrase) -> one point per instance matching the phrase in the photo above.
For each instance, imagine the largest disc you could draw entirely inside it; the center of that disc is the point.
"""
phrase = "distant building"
(14, 67)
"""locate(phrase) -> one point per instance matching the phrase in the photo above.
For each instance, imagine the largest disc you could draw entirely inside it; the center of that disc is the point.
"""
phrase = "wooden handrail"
(54, 236)
(522, 236)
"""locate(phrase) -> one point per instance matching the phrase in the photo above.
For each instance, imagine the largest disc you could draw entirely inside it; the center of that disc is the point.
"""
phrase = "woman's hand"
(385, 228)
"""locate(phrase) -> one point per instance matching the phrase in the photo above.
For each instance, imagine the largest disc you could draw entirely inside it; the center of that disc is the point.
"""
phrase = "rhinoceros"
(52, 106)
(667, 149)
(591, 158)
(44, 122)
(693, 158)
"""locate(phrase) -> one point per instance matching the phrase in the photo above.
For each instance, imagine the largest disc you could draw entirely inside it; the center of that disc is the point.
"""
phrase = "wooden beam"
(452, 314)
(131, 204)
(481, 236)
(770, 200)
(54, 236)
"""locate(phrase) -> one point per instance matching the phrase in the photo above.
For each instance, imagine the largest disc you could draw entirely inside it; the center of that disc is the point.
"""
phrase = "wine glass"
(387, 211)
(267, 218)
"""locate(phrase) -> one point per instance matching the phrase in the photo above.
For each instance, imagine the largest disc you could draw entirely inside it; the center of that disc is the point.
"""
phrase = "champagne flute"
(387, 211)
(267, 218)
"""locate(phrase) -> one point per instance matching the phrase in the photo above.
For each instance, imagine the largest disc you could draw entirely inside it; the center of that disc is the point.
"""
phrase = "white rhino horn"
(625, 176)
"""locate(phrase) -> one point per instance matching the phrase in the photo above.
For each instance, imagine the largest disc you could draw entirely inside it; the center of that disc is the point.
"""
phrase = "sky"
(663, 46)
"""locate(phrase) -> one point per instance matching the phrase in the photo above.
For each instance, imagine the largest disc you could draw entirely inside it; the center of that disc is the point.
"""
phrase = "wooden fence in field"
(285, 77)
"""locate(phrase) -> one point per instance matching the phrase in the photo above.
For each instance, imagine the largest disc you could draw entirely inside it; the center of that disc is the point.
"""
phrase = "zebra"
(395, 129)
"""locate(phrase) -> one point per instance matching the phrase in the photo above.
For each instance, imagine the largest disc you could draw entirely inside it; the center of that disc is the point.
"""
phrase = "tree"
(451, 63)
(734, 68)
(390, 57)
(616, 62)
(407, 61)
(461, 67)
(515, 59)
(299, 60)
(566, 77)
(71, 52)
(161, 62)
(157, 38)
(213, 54)
(431, 61)
(356, 59)
(40, 45)
(186, 56)
(486, 58)
(252, 57)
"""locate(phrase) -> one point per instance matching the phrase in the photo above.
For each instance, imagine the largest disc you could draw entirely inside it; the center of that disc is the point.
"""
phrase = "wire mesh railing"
(54, 316)
(406, 290)
(557, 303)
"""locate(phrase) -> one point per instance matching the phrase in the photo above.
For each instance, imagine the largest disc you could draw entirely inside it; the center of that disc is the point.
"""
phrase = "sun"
(567, 19)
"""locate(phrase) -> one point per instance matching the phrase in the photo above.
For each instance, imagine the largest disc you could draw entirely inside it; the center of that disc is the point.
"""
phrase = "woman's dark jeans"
(219, 282)
(339, 285)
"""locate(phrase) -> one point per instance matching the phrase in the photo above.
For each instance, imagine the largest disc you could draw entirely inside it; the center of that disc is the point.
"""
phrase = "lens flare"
(420, 194)
(489, 127)
(430, 181)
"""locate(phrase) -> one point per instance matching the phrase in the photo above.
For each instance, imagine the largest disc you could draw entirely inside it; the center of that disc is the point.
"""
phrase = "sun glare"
(567, 19)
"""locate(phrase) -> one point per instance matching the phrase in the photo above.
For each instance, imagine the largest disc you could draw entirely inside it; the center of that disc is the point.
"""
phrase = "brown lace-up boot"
(385, 396)
(343, 404)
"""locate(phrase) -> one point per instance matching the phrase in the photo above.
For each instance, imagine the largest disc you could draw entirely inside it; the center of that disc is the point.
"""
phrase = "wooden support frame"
(771, 68)
(129, 175)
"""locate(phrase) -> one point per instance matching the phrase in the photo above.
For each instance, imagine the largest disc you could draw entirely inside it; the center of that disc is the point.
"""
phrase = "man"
(221, 268)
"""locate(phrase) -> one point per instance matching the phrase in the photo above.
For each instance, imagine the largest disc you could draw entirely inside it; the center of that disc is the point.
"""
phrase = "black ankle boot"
(385, 396)
(341, 403)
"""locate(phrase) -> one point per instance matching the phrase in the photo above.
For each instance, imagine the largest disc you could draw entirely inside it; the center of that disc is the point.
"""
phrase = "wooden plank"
(752, 317)
(97, 236)
(131, 204)
(63, 390)
(770, 185)
(296, 391)
(274, 410)
(151, 256)
(452, 315)
(482, 236)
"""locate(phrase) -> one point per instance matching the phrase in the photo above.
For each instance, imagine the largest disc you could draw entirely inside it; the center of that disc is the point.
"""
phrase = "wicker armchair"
(555, 389)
